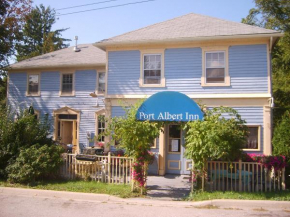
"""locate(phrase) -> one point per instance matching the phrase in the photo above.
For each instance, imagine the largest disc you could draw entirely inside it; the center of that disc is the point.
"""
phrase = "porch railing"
(107, 169)
(244, 176)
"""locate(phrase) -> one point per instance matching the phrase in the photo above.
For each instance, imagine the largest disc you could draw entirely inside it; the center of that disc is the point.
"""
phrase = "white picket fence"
(243, 176)
(107, 169)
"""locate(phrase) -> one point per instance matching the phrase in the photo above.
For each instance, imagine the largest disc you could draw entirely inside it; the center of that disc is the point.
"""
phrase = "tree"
(275, 14)
(38, 37)
(12, 14)
(215, 137)
(135, 138)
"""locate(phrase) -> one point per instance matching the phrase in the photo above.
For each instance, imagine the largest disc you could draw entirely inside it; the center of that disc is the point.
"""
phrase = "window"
(33, 84)
(154, 143)
(152, 68)
(67, 84)
(101, 128)
(252, 141)
(174, 138)
(101, 82)
(215, 67)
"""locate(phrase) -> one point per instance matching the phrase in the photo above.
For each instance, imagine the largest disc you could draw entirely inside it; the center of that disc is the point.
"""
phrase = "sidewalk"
(103, 198)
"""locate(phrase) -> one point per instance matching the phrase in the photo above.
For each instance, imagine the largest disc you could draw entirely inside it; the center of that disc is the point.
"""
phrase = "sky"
(93, 26)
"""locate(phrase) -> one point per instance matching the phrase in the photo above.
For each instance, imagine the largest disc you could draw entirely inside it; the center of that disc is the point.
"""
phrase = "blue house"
(212, 61)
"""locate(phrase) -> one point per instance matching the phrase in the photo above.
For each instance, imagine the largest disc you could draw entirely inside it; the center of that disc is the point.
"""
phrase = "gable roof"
(88, 55)
(190, 26)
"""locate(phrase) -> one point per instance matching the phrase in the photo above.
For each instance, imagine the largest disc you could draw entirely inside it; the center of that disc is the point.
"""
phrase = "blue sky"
(100, 24)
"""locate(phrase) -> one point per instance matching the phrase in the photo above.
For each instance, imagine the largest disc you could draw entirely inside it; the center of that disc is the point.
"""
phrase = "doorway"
(67, 132)
(176, 163)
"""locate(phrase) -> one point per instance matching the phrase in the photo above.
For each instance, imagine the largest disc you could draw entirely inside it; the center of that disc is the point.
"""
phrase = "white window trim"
(97, 86)
(227, 76)
(73, 84)
(27, 88)
(259, 138)
(101, 112)
(148, 52)
(154, 144)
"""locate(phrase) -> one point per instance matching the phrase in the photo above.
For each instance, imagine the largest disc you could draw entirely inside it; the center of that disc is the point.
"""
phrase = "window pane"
(33, 84)
(101, 127)
(67, 83)
(215, 60)
(252, 140)
(152, 76)
(215, 75)
(102, 82)
(152, 69)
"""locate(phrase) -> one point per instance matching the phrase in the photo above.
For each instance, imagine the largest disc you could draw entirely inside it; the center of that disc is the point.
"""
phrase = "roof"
(88, 55)
(189, 26)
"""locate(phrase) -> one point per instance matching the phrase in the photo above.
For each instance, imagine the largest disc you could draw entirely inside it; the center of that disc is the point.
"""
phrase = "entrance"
(67, 132)
(176, 163)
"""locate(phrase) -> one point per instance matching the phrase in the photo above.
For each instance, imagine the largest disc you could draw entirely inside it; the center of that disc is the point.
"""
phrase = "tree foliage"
(220, 135)
(12, 14)
(22, 132)
(34, 163)
(37, 35)
(281, 138)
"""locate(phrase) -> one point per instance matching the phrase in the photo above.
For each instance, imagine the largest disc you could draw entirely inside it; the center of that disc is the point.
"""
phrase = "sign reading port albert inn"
(169, 106)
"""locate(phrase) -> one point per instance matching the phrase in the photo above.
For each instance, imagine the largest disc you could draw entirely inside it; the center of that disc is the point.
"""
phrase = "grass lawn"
(278, 196)
(123, 191)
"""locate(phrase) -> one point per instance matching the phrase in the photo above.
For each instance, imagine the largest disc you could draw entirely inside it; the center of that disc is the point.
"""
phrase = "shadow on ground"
(168, 187)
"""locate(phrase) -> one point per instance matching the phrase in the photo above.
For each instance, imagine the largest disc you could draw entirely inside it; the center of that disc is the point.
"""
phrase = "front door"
(67, 132)
(176, 163)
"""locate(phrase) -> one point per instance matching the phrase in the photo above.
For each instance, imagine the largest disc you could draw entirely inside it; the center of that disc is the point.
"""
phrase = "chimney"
(76, 49)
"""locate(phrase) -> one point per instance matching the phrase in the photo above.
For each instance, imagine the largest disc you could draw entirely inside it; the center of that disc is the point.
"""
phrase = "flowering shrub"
(139, 167)
(269, 162)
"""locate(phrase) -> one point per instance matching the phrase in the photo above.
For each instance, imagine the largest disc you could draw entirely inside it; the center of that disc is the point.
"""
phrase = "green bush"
(34, 163)
(22, 132)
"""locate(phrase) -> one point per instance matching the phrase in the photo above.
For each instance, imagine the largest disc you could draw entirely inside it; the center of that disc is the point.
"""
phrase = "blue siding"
(183, 71)
(85, 83)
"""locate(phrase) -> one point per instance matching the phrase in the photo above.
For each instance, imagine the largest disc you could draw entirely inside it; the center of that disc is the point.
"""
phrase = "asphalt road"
(30, 203)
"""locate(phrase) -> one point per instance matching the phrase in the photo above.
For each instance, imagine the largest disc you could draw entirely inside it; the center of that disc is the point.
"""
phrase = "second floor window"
(67, 83)
(215, 67)
(33, 84)
(152, 68)
(101, 82)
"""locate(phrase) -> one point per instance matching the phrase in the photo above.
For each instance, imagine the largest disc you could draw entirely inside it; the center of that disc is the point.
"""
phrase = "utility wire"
(77, 6)
(114, 6)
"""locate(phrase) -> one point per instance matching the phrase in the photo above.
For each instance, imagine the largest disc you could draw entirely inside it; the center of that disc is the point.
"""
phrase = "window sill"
(32, 95)
(216, 85)
(252, 149)
(64, 95)
(162, 84)
(174, 152)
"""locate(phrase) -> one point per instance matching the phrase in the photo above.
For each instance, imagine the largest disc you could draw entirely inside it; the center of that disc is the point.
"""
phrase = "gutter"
(21, 68)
